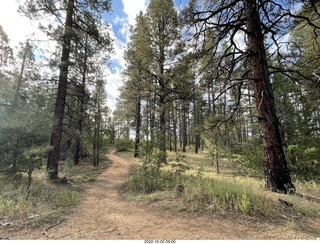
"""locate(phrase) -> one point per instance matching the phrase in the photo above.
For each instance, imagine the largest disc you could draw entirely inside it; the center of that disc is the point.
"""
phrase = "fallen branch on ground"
(5, 224)
(37, 215)
(51, 226)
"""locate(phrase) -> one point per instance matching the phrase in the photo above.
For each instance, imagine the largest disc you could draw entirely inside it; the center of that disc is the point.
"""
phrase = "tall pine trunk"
(184, 128)
(54, 153)
(138, 125)
(174, 121)
(180, 125)
(162, 132)
(81, 104)
(196, 123)
(162, 102)
(152, 119)
(275, 166)
(169, 131)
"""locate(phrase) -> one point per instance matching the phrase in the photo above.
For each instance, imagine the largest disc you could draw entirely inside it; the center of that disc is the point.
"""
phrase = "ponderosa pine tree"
(158, 45)
(134, 89)
(275, 165)
(72, 10)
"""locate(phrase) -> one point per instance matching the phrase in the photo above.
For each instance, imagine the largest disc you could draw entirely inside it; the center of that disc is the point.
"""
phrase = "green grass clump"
(301, 206)
(11, 208)
(308, 187)
(222, 196)
(92, 179)
(128, 155)
(306, 210)
(227, 192)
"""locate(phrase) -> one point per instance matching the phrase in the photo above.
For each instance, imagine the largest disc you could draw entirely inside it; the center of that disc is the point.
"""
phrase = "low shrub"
(123, 144)
(249, 158)
(147, 180)
(151, 176)
(303, 161)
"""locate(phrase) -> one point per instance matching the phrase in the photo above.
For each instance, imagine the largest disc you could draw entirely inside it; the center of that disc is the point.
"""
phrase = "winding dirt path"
(104, 213)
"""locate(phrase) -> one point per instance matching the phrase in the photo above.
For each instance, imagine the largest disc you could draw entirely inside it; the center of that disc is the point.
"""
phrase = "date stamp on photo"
(159, 241)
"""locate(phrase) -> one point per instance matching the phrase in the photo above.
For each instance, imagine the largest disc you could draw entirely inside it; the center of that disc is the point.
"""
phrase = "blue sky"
(124, 13)
(120, 18)
(19, 28)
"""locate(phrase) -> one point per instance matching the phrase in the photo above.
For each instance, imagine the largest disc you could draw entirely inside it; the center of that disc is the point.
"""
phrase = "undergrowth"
(150, 177)
(48, 201)
(216, 195)
(222, 196)
(143, 180)
(206, 190)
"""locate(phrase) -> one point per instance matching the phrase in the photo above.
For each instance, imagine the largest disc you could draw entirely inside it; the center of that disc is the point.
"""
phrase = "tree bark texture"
(162, 100)
(184, 128)
(174, 121)
(81, 104)
(152, 119)
(138, 125)
(54, 153)
(275, 166)
(162, 139)
(169, 130)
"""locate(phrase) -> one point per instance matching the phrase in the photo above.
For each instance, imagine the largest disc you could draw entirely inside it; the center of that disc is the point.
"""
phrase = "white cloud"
(283, 43)
(114, 81)
(119, 47)
(124, 31)
(16, 26)
(240, 40)
(113, 84)
(20, 28)
(133, 8)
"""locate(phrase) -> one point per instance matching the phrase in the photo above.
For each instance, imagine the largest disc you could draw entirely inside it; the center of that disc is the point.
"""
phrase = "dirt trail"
(104, 214)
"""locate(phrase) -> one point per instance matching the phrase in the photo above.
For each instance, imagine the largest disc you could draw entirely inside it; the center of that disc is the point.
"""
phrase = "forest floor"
(105, 213)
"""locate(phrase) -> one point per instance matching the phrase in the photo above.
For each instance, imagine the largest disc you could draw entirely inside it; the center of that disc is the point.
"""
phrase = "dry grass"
(232, 191)
(47, 202)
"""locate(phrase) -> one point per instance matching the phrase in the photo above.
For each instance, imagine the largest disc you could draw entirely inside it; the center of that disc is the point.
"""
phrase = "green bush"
(303, 161)
(147, 180)
(150, 177)
(250, 160)
(123, 144)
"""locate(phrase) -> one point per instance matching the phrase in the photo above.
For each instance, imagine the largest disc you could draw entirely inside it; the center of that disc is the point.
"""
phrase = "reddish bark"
(276, 172)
